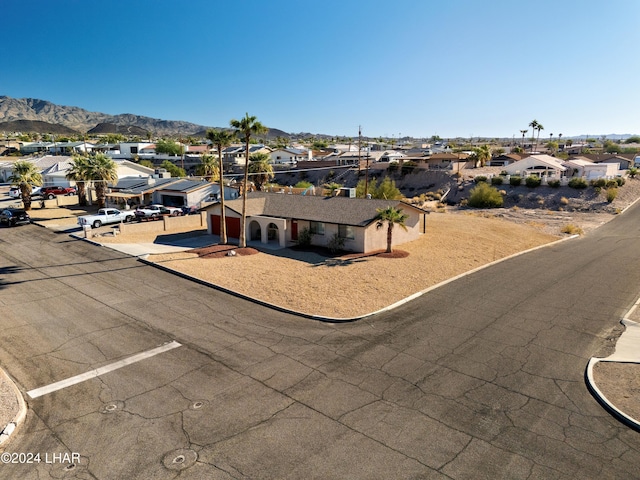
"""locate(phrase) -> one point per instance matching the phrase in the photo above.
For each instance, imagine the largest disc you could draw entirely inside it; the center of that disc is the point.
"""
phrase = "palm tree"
(392, 216)
(25, 175)
(533, 125)
(523, 132)
(539, 127)
(101, 170)
(260, 169)
(208, 168)
(482, 155)
(221, 139)
(78, 173)
(246, 127)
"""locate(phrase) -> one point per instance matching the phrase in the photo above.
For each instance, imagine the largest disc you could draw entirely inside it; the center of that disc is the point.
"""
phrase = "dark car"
(14, 216)
(51, 192)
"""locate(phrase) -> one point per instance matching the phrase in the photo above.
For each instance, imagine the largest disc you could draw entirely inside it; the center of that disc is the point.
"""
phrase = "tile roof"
(337, 210)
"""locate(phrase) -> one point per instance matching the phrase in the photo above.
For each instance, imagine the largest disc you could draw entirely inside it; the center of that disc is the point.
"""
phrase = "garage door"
(233, 226)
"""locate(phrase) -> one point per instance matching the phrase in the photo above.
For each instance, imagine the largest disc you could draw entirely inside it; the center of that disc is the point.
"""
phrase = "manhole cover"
(179, 459)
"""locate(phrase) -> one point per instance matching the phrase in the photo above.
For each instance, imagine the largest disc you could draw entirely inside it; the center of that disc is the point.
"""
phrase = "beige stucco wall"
(167, 224)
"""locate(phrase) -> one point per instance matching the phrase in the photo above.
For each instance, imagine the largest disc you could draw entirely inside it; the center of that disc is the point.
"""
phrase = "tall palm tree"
(538, 127)
(533, 125)
(78, 173)
(482, 154)
(246, 127)
(25, 175)
(101, 170)
(221, 139)
(260, 169)
(391, 216)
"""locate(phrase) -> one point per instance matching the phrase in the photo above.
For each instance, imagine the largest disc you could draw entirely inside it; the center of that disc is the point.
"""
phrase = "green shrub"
(393, 167)
(612, 193)
(578, 182)
(611, 184)
(532, 181)
(480, 178)
(554, 183)
(497, 180)
(336, 243)
(303, 184)
(599, 182)
(620, 181)
(485, 196)
(304, 237)
(515, 180)
(408, 167)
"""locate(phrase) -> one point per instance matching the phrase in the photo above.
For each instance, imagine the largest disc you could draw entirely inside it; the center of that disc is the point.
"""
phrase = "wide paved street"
(481, 378)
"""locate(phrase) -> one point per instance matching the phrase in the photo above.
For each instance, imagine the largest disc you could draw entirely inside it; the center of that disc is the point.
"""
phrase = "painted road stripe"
(38, 392)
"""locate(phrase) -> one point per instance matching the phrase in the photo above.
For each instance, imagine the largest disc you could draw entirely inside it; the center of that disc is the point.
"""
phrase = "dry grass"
(353, 285)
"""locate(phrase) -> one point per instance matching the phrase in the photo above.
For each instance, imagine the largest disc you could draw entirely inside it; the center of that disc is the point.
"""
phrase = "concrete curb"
(616, 358)
(18, 420)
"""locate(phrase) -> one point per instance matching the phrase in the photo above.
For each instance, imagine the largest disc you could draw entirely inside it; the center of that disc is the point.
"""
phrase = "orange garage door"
(233, 226)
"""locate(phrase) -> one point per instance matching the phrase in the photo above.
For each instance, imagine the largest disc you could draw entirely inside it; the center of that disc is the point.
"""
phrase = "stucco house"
(539, 165)
(289, 156)
(277, 219)
(582, 167)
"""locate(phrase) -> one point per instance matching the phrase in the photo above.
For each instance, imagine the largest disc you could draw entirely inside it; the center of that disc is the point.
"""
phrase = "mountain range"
(41, 116)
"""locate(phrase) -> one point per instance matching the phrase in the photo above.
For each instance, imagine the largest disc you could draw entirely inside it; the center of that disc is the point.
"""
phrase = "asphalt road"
(481, 378)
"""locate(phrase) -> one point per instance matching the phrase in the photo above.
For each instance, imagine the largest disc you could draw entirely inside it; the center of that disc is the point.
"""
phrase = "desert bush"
(532, 181)
(564, 201)
(408, 167)
(572, 230)
(578, 182)
(393, 167)
(336, 243)
(497, 180)
(598, 190)
(480, 178)
(304, 237)
(620, 181)
(554, 183)
(612, 193)
(598, 182)
(485, 196)
(515, 180)
(611, 184)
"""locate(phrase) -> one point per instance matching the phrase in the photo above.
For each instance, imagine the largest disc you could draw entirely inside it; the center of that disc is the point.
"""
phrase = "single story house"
(540, 165)
(278, 219)
(289, 156)
(581, 167)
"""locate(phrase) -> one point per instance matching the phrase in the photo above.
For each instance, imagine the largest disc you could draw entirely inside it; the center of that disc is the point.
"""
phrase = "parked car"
(14, 192)
(105, 216)
(156, 211)
(51, 192)
(14, 216)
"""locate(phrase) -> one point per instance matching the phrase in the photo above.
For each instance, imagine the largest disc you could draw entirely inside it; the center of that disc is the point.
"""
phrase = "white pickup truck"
(106, 216)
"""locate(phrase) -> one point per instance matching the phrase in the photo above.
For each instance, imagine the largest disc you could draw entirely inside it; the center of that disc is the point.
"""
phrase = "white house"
(289, 156)
(581, 167)
(539, 165)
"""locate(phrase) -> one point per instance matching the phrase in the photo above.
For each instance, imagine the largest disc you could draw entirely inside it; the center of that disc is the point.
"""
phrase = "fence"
(165, 224)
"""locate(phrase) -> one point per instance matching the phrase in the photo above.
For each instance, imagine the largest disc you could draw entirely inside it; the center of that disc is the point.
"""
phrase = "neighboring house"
(234, 155)
(391, 156)
(625, 160)
(289, 156)
(69, 148)
(35, 147)
(187, 192)
(581, 167)
(129, 150)
(539, 165)
(278, 219)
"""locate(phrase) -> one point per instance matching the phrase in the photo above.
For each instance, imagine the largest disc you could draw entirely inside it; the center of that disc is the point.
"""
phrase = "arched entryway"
(255, 231)
(272, 233)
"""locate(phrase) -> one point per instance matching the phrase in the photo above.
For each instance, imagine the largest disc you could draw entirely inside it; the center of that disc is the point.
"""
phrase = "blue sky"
(404, 67)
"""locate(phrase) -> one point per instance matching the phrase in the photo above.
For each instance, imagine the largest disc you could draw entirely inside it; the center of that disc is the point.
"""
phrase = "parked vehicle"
(14, 216)
(15, 192)
(105, 216)
(51, 192)
(156, 211)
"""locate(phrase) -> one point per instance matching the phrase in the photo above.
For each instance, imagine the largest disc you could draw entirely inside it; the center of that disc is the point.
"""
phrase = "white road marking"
(38, 392)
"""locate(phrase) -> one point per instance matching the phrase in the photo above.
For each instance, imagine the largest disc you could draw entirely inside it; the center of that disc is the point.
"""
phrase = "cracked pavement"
(481, 378)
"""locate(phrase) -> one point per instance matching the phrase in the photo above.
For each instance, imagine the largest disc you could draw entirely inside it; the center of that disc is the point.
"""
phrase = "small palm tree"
(260, 169)
(539, 127)
(78, 173)
(482, 155)
(209, 168)
(221, 139)
(392, 216)
(101, 170)
(246, 127)
(25, 175)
